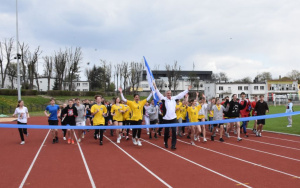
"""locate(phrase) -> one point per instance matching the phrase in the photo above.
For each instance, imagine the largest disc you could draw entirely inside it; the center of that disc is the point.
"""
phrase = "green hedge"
(15, 92)
(76, 93)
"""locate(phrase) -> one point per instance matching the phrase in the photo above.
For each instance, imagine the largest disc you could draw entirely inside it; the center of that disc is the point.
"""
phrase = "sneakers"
(64, 138)
(221, 140)
(79, 140)
(148, 132)
(56, 139)
(204, 140)
(139, 143)
(73, 141)
(259, 135)
(82, 135)
(69, 141)
(239, 139)
(119, 139)
(188, 137)
(150, 136)
(101, 143)
(173, 147)
(235, 131)
(27, 134)
(227, 135)
(254, 131)
(134, 141)
(193, 143)
(166, 145)
(22, 143)
(155, 135)
(246, 135)
(53, 141)
(212, 138)
(289, 126)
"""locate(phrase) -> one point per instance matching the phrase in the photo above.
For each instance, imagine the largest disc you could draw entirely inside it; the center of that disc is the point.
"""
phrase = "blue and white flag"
(150, 79)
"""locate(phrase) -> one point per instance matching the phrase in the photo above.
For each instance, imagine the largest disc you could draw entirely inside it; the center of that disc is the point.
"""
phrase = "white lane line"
(287, 147)
(255, 164)
(215, 172)
(34, 159)
(281, 139)
(262, 151)
(280, 133)
(85, 164)
(166, 184)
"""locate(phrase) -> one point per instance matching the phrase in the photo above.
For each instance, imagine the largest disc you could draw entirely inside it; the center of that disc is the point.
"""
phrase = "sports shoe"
(259, 135)
(27, 134)
(134, 141)
(173, 147)
(235, 132)
(204, 140)
(82, 135)
(73, 141)
(221, 140)
(289, 126)
(22, 143)
(188, 137)
(254, 131)
(127, 137)
(155, 135)
(53, 141)
(95, 136)
(227, 135)
(79, 140)
(69, 141)
(139, 143)
(166, 145)
(56, 139)
(246, 135)
(118, 140)
(101, 143)
(214, 135)
(239, 139)
(64, 138)
(212, 138)
(193, 143)
(148, 132)
(150, 136)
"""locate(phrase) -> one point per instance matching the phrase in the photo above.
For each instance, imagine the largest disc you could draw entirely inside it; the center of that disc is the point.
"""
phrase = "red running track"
(211, 164)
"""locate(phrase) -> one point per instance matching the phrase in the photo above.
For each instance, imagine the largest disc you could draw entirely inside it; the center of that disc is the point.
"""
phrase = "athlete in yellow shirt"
(183, 110)
(99, 111)
(127, 118)
(179, 117)
(117, 111)
(137, 114)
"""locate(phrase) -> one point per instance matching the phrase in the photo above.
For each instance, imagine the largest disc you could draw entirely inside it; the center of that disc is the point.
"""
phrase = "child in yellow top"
(137, 114)
(117, 111)
(126, 118)
(99, 111)
(193, 117)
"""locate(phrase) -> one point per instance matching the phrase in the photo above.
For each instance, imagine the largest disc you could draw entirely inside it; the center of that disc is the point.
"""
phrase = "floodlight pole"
(18, 64)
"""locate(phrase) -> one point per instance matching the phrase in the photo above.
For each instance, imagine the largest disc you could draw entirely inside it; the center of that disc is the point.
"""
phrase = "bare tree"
(73, 60)
(264, 76)
(117, 73)
(48, 68)
(173, 74)
(125, 74)
(23, 52)
(60, 66)
(12, 73)
(31, 66)
(136, 70)
(244, 80)
(294, 75)
(8, 47)
(160, 84)
(107, 74)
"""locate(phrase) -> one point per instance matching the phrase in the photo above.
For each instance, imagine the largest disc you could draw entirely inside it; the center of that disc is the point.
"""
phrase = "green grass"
(279, 124)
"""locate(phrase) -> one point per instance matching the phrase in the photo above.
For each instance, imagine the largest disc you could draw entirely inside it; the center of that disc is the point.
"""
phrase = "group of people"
(170, 109)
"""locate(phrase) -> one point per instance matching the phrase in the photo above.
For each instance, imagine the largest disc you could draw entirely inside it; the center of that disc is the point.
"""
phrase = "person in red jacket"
(245, 112)
(253, 104)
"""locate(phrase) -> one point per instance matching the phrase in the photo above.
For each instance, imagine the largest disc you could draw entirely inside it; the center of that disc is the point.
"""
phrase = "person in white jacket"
(289, 108)
(202, 116)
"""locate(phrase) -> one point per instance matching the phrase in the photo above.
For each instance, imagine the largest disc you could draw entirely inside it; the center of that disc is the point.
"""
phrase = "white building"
(78, 85)
(228, 89)
(43, 83)
(8, 84)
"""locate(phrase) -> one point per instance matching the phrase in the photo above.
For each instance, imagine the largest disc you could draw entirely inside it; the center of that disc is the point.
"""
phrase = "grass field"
(279, 124)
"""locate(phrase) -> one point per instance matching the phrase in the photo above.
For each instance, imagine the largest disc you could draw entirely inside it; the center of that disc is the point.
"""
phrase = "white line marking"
(224, 176)
(85, 164)
(263, 152)
(32, 163)
(280, 133)
(139, 163)
(281, 172)
(281, 139)
(271, 144)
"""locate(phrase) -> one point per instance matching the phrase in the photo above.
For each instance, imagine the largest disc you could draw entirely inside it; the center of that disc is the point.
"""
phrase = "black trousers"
(101, 132)
(136, 132)
(167, 129)
(22, 131)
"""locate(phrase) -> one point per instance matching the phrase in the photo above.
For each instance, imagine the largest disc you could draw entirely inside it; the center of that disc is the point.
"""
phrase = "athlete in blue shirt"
(52, 111)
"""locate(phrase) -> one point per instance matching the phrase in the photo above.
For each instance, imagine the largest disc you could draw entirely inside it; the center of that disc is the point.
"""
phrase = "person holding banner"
(137, 107)
(169, 112)
(23, 115)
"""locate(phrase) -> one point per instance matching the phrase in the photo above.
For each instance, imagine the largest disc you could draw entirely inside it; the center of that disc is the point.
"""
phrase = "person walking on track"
(137, 114)
(22, 113)
(80, 119)
(99, 111)
(169, 112)
(69, 114)
(54, 112)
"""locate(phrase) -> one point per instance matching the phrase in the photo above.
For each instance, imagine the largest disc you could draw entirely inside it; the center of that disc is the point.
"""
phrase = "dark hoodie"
(234, 108)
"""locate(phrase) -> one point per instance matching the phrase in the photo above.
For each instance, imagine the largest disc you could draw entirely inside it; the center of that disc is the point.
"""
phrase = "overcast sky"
(241, 38)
